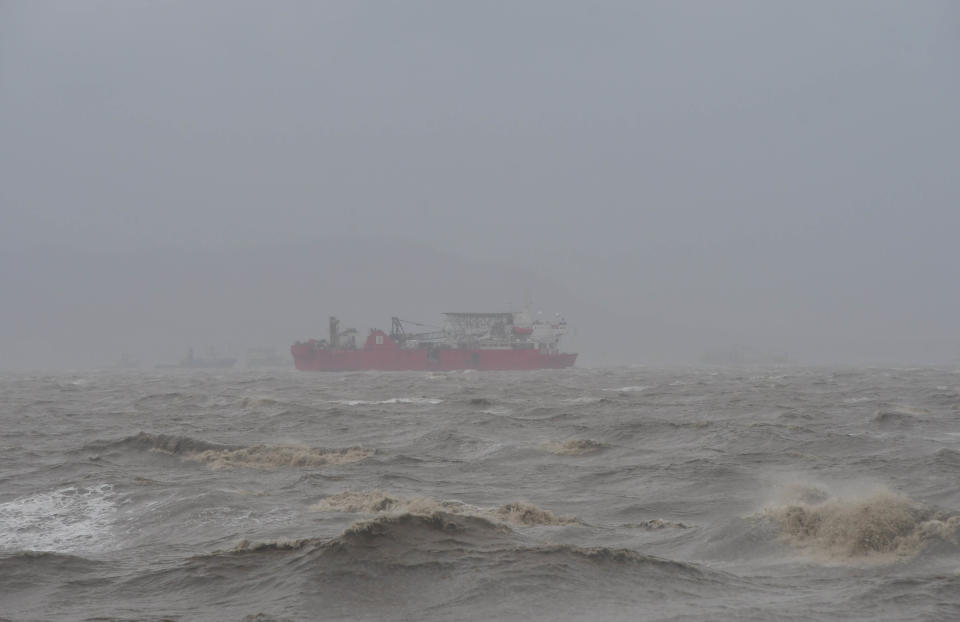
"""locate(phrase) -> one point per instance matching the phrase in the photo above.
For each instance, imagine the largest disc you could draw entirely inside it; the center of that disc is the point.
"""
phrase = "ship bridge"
(478, 324)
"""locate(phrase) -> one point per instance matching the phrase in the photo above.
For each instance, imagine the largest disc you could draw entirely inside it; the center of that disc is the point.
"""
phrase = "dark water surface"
(610, 494)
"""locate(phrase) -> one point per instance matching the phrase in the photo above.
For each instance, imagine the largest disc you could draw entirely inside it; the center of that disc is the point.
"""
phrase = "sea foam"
(68, 520)
(882, 526)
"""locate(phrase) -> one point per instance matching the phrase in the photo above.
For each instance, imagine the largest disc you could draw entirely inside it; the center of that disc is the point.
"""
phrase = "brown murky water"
(620, 494)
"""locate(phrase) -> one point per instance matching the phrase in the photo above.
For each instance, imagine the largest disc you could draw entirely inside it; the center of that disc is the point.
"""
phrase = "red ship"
(483, 341)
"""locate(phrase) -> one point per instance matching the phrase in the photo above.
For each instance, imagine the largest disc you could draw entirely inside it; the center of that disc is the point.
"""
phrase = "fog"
(677, 178)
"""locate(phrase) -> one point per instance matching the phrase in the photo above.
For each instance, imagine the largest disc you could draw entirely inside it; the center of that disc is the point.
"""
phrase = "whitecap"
(882, 525)
(393, 400)
(63, 521)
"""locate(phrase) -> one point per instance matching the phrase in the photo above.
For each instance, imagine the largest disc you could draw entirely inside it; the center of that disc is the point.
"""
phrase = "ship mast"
(334, 332)
(396, 330)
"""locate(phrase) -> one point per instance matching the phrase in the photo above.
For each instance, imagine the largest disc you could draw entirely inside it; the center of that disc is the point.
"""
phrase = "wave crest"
(377, 502)
(246, 546)
(219, 456)
(396, 524)
(882, 524)
(273, 456)
(899, 416)
(655, 524)
(164, 443)
(612, 557)
(528, 514)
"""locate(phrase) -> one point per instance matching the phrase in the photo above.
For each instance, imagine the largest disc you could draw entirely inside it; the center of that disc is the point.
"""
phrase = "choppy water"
(620, 494)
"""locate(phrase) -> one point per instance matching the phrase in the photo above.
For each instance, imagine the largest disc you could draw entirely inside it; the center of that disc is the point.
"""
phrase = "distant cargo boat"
(126, 362)
(211, 362)
(264, 357)
(483, 341)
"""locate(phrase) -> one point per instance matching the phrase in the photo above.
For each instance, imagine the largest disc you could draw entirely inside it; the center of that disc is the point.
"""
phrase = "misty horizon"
(740, 179)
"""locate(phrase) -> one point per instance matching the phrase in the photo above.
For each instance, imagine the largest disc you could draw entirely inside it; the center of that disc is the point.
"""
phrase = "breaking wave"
(576, 447)
(881, 525)
(377, 502)
(65, 520)
(520, 513)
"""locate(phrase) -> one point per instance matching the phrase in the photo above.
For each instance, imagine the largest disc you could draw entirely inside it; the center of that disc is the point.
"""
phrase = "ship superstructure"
(467, 340)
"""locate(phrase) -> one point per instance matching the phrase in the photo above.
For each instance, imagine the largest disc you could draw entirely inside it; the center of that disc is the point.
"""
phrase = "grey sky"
(778, 170)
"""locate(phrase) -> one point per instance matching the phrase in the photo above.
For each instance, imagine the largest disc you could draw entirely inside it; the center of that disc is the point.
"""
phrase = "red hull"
(388, 356)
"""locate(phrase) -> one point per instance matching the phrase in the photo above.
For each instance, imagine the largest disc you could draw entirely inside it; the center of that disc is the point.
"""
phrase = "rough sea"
(586, 494)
